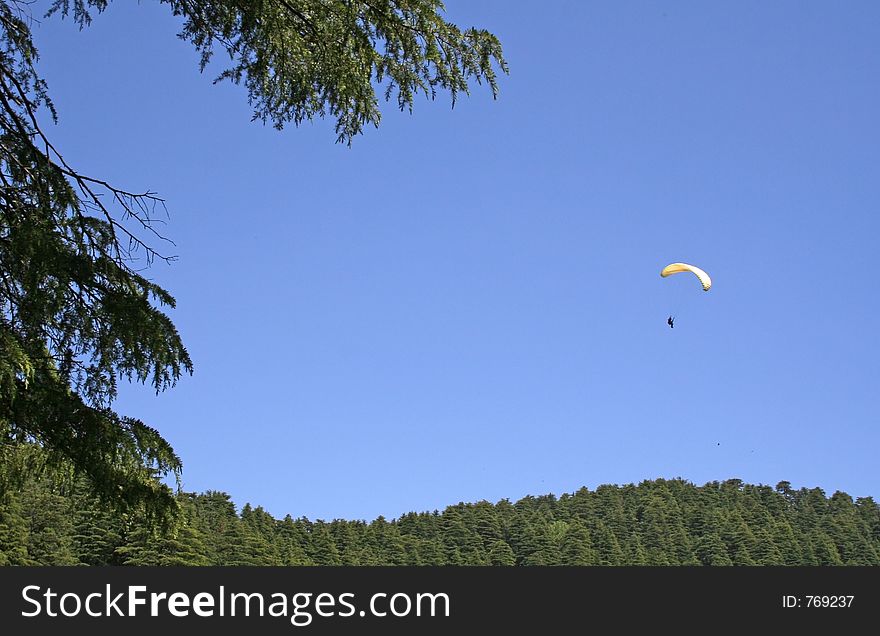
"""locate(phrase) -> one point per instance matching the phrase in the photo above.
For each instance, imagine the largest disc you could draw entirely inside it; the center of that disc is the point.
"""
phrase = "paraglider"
(678, 268)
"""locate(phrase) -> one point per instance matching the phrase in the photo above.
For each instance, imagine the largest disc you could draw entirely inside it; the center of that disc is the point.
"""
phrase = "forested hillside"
(655, 522)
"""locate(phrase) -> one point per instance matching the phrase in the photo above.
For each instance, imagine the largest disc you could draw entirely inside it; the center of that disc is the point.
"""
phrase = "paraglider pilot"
(670, 321)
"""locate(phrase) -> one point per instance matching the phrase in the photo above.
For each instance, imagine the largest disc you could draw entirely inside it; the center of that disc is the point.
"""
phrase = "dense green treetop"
(660, 522)
(301, 59)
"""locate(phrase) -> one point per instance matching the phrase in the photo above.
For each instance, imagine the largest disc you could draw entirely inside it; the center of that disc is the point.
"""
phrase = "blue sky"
(466, 304)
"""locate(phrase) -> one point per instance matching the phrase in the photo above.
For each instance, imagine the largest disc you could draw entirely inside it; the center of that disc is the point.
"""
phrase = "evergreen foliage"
(660, 522)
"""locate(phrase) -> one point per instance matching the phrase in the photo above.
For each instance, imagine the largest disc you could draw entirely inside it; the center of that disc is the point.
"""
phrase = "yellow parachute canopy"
(678, 268)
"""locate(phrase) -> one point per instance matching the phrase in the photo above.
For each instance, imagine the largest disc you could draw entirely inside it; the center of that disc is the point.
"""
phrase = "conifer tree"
(846, 529)
(824, 549)
(241, 545)
(290, 539)
(432, 553)
(710, 550)
(501, 554)
(214, 515)
(765, 551)
(346, 536)
(97, 529)
(575, 547)
(607, 547)
(182, 546)
(465, 546)
(486, 524)
(739, 539)
(50, 527)
(544, 543)
(412, 550)
(636, 554)
(97, 532)
(653, 536)
(13, 532)
(869, 512)
(784, 538)
(322, 548)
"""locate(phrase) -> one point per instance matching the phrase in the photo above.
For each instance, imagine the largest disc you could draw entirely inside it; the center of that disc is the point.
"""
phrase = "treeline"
(660, 522)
